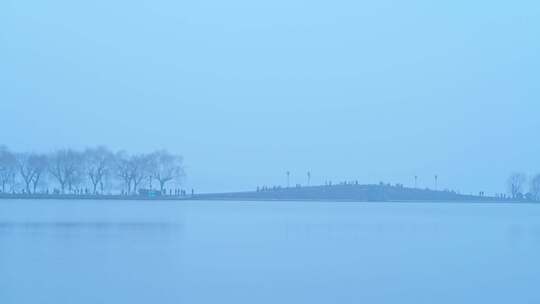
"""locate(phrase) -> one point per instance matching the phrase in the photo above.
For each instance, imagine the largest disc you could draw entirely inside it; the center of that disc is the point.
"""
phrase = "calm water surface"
(268, 252)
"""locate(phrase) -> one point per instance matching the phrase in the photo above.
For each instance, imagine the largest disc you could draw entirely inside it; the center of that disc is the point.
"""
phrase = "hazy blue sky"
(245, 90)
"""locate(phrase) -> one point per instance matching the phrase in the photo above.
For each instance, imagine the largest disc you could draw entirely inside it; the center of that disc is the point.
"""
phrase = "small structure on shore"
(149, 193)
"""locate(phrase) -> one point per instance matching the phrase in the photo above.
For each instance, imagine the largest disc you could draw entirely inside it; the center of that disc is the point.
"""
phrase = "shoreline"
(212, 197)
(335, 193)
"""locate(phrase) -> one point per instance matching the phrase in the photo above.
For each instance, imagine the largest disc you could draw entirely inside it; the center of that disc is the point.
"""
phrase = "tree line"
(517, 186)
(92, 171)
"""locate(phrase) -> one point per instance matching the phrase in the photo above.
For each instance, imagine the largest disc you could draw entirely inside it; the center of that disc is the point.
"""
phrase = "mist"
(371, 91)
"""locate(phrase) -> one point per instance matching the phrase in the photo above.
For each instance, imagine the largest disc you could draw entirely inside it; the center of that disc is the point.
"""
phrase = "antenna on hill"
(288, 178)
(308, 178)
(436, 181)
(416, 182)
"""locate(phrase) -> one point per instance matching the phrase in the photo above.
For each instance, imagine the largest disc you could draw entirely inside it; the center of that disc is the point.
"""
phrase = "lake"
(268, 252)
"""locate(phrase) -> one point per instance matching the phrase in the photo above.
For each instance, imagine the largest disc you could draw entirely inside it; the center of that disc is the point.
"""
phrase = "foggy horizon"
(158, 151)
(247, 91)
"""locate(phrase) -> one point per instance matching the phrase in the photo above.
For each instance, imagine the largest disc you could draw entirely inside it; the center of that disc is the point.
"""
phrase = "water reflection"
(88, 226)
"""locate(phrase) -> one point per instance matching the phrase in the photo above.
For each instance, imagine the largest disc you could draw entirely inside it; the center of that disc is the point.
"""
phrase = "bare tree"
(141, 166)
(97, 165)
(516, 182)
(166, 167)
(122, 169)
(8, 168)
(26, 170)
(133, 169)
(39, 164)
(65, 167)
(535, 187)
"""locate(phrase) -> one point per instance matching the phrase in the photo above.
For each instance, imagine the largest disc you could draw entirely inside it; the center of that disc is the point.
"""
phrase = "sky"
(247, 90)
